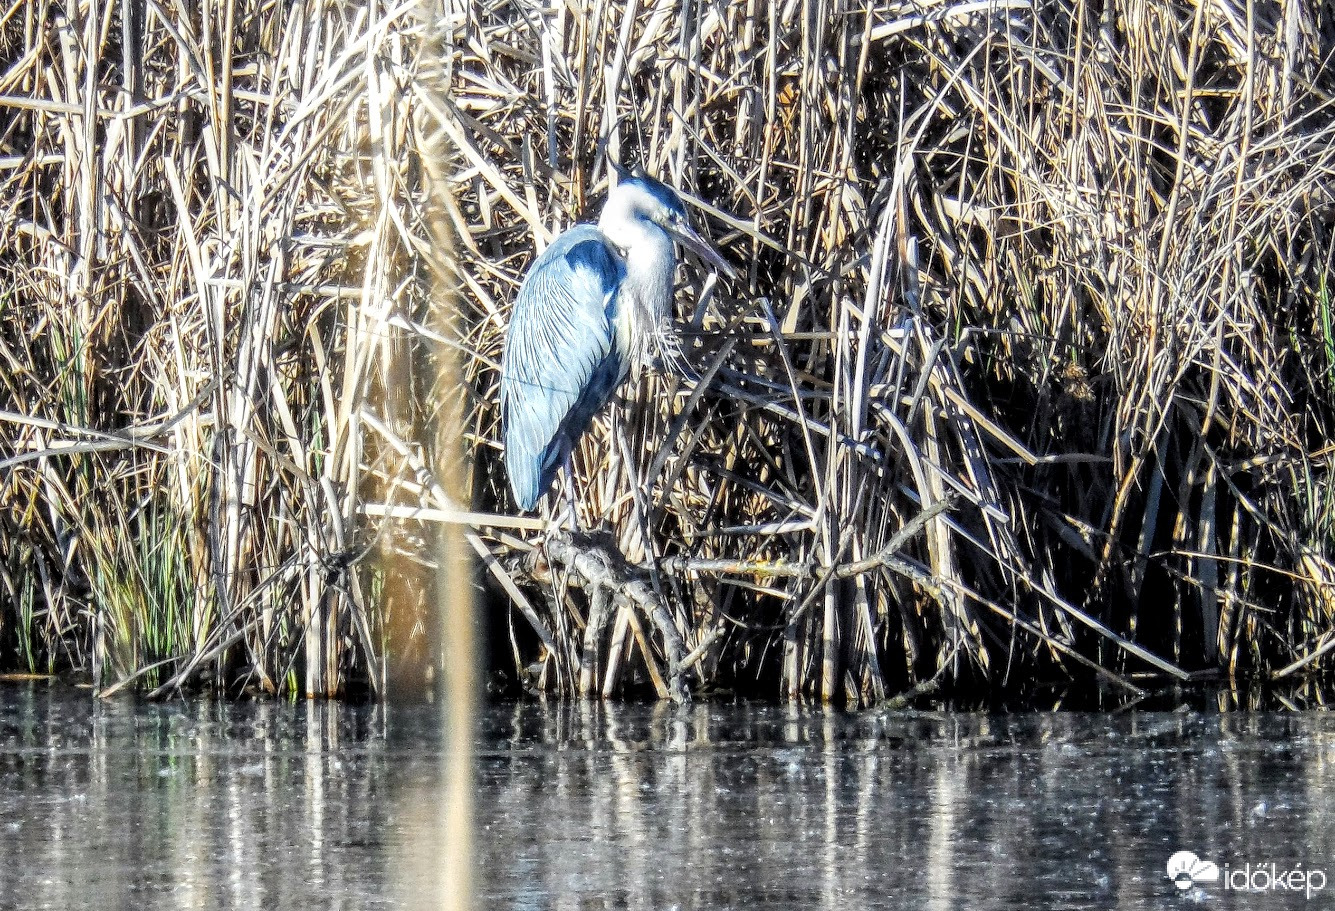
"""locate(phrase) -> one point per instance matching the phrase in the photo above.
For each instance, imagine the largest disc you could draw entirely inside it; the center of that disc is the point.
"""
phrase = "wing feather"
(561, 362)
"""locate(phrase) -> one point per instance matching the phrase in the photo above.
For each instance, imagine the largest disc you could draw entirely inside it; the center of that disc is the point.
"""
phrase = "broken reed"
(1063, 267)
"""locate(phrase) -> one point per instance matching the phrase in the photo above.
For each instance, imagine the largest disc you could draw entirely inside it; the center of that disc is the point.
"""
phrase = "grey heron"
(592, 305)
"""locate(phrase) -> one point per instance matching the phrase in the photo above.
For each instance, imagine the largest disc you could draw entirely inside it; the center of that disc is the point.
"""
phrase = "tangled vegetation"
(1030, 373)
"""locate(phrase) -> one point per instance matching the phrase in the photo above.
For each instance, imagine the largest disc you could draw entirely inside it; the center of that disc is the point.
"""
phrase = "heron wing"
(561, 362)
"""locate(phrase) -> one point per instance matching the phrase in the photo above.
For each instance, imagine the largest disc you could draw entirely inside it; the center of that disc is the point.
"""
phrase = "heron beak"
(698, 245)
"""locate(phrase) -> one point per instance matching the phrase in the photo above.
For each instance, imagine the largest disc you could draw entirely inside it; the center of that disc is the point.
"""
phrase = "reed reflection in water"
(591, 807)
(212, 805)
(118, 804)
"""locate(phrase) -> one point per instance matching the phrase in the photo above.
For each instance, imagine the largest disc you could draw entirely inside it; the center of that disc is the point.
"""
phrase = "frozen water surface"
(121, 804)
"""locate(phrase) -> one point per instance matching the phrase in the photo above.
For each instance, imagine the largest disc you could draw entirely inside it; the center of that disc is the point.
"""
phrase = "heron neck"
(644, 301)
(651, 262)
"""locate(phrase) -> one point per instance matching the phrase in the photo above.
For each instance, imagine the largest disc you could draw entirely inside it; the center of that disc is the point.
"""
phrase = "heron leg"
(570, 491)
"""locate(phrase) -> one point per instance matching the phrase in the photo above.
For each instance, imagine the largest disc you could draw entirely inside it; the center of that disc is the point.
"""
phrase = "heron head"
(640, 197)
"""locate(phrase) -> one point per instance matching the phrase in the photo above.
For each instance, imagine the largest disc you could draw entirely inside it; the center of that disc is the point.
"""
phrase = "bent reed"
(1030, 375)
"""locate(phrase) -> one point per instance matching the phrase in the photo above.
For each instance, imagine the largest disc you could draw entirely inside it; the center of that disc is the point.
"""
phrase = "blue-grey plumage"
(561, 363)
(590, 307)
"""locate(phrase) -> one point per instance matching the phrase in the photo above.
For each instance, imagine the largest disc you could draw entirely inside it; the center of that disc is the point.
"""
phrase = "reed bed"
(213, 222)
(1029, 376)
(1030, 373)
